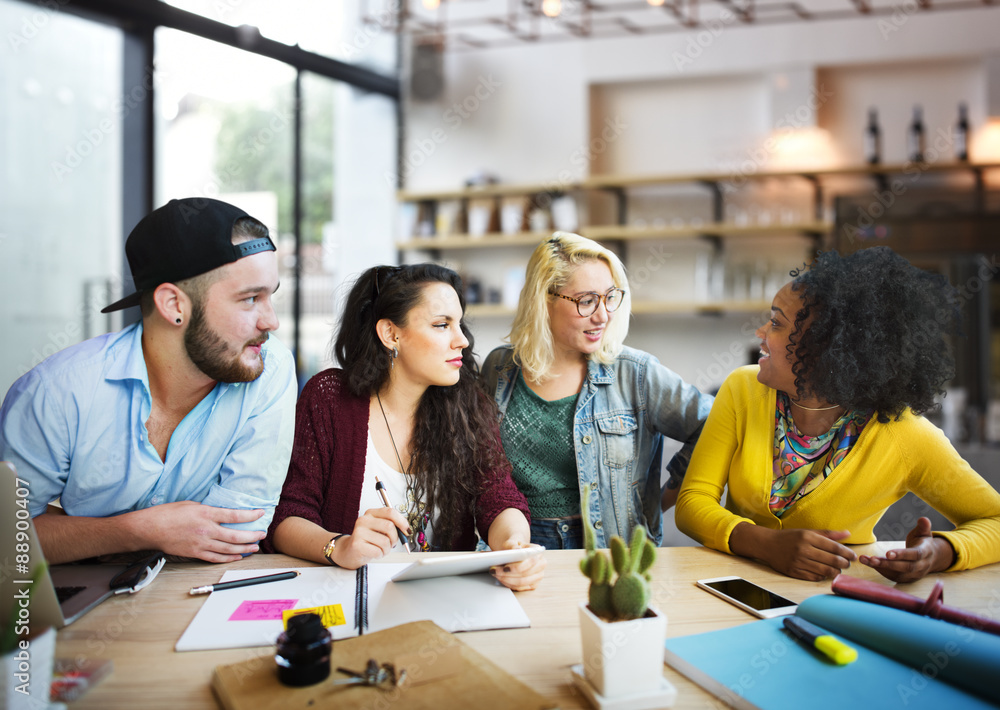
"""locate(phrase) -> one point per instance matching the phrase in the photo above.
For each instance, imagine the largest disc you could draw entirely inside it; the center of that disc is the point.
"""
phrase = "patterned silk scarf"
(802, 462)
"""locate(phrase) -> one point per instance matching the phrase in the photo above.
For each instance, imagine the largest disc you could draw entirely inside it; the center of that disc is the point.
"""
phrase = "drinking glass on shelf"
(736, 214)
(757, 281)
(763, 216)
(739, 282)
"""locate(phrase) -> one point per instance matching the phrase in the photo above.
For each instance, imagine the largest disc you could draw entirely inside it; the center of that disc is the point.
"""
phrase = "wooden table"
(139, 631)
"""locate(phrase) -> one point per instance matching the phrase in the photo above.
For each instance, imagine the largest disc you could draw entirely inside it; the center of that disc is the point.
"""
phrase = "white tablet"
(470, 563)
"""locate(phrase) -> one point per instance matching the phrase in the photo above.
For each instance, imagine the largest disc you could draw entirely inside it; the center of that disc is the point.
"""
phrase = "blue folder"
(903, 662)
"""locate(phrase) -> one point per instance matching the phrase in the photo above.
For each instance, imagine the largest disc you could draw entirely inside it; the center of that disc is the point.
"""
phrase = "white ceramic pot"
(623, 657)
(27, 673)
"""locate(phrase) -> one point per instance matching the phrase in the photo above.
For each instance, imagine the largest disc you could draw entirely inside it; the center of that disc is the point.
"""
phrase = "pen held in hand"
(380, 487)
(824, 642)
(208, 588)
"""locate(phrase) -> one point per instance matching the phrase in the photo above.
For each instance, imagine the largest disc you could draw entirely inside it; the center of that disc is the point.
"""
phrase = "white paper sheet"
(466, 603)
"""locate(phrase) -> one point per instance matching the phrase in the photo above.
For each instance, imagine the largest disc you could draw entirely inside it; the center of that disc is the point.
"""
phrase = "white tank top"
(395, 489)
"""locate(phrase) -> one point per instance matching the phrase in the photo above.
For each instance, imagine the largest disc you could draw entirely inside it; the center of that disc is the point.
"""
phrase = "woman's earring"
(395, 352)
(178, 321)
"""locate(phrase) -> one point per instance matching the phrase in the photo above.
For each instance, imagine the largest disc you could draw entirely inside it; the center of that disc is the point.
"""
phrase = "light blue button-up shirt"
(75, 428)
(622, 411)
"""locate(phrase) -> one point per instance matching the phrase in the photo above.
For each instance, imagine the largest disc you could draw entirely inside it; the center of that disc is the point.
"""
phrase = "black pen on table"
(380, 487)
(219, 586)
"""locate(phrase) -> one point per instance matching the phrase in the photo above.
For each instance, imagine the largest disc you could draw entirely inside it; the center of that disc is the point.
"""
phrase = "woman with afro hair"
(826, 432)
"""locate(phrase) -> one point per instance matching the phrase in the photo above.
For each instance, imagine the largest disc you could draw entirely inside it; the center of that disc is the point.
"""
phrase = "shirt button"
(599, 525)
(587, 439)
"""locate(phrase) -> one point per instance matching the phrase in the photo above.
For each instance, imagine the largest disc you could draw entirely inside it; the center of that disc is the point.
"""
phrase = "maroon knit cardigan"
(327, 468)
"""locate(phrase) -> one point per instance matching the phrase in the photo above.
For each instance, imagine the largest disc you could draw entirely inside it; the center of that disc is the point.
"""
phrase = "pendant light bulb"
(432, 4)
(551, 8)
(655, 3)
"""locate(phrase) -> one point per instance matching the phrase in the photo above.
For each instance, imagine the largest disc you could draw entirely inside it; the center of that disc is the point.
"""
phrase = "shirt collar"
(599, 373)
(127, 362)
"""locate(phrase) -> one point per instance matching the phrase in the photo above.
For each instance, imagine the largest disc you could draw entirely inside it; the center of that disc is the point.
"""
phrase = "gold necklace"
(794, 404)
(410, 507)
(404, 469)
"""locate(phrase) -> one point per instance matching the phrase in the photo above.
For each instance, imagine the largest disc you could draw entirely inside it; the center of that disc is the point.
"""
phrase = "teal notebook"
(760, 665)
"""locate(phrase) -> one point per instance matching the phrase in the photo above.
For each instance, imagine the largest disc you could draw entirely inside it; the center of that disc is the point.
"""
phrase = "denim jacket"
(621, 413)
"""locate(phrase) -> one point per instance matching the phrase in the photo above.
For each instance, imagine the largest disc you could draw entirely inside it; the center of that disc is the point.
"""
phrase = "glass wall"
(60, 190)
(225, 129)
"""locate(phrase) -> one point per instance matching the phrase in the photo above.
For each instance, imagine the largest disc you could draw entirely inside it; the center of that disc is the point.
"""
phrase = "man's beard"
(212, 355)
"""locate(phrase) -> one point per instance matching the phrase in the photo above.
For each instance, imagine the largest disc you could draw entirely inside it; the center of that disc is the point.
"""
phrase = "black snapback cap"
(184, 238)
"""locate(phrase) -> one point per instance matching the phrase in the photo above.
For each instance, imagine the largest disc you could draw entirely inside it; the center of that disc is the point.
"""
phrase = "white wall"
(690, 102)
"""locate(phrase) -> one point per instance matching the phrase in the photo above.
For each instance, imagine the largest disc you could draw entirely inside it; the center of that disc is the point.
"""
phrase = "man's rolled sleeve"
(32, 436)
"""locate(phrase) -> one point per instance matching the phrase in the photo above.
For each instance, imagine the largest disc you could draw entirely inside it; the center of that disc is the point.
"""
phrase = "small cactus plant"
(628, 596)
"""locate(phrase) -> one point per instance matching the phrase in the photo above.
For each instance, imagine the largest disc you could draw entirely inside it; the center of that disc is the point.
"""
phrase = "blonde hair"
(549, 268)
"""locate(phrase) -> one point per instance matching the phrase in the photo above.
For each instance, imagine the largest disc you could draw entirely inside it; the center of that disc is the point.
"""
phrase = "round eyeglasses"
(586, 305)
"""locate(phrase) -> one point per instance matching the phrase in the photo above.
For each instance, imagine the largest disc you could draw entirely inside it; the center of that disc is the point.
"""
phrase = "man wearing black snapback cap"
(175, 433)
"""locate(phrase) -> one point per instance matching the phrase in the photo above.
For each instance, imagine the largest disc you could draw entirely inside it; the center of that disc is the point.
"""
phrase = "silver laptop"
(64, 592)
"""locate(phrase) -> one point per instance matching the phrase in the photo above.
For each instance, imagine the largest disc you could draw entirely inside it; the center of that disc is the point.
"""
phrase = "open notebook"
(369, 601)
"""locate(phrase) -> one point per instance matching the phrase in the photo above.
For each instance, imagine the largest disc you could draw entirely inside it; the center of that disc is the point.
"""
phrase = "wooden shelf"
(609, 233)
(597, 182)
(604, 182)
(468, 241)
(721, 229)
(498, 190)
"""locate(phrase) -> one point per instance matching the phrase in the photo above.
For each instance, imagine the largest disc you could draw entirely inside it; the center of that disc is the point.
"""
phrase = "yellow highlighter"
(815, 637)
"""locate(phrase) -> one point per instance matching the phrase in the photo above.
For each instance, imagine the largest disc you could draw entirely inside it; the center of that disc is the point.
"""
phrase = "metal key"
(373, 675)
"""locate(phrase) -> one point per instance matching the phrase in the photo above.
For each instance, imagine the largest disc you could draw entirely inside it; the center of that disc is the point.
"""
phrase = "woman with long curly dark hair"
(405, 410)
(820, 438)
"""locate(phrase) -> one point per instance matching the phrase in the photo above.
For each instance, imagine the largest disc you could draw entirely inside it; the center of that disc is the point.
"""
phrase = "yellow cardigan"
(736, 447)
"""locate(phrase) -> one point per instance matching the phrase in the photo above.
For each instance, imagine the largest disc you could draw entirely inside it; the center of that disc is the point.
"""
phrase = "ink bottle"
(303, 653)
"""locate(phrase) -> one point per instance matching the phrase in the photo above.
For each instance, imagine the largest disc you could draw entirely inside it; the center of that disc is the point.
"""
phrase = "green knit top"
(537, 437)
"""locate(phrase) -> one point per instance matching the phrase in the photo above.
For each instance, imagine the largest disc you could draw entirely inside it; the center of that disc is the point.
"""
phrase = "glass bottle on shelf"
(915, 136)
(873, 139)
(962, 134)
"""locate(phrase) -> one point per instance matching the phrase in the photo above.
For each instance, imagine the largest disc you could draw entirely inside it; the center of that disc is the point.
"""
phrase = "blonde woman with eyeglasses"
(577, 407)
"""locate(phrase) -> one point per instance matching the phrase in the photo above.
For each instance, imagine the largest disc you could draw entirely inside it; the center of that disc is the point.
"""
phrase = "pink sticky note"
(262, 609)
